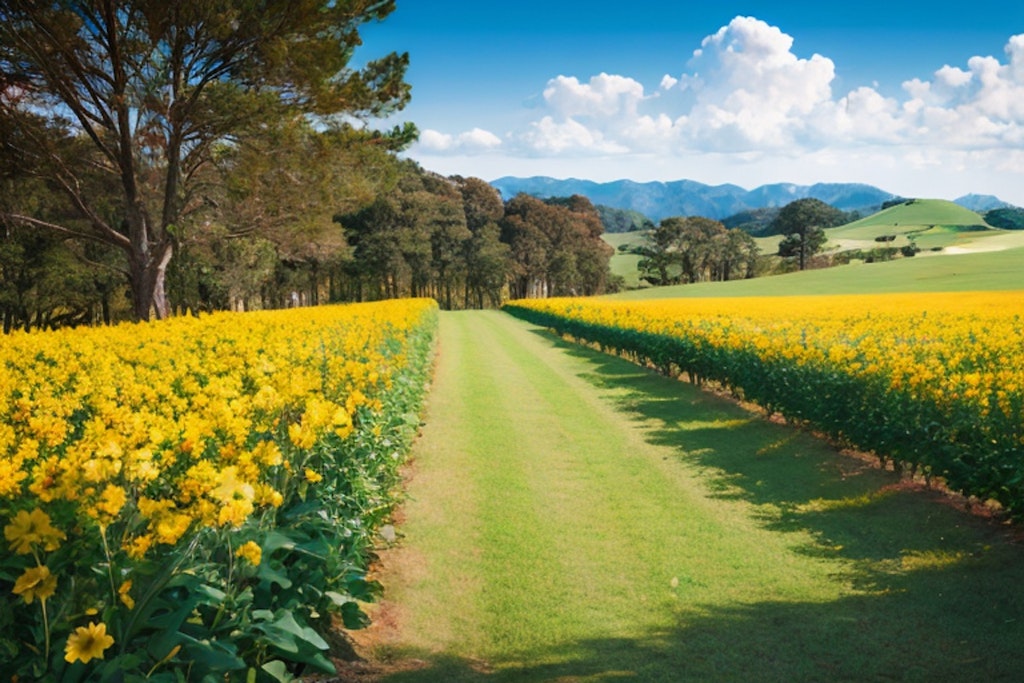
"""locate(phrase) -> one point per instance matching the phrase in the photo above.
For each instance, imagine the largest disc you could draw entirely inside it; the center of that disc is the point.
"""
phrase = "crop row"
(930, 382)
(198, 499)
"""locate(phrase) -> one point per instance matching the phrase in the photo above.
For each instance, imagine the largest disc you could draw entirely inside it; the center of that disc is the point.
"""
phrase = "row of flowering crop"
(198, 499)
(932, 382)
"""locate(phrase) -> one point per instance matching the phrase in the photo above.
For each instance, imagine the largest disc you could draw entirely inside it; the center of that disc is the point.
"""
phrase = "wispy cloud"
(475, 140)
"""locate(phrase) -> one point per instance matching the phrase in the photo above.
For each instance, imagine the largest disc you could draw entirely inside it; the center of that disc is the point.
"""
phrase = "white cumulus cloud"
(746, 95)
(603, 95)
(549, 136)
(752, 90)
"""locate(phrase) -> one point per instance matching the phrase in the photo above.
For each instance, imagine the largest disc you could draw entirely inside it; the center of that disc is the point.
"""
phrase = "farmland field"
(194, 499)
(930, 381)
(573, 516)
(203, 492)
(980, 270)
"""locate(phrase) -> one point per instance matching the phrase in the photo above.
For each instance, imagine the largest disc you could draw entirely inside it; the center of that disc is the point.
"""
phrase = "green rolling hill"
(983, 270)
(930, 223)
(959, 252)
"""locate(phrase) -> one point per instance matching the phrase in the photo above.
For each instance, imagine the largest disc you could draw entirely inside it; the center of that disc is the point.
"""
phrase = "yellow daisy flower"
(32, 528)
(87, 643)
(251, 551)
(35, 582)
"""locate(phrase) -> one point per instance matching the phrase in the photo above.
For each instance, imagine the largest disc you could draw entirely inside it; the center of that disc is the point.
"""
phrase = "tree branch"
(60, 229)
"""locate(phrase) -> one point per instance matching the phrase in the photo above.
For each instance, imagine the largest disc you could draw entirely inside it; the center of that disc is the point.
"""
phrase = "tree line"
(159, 157)
(403, 232)
(455, 240)
(688, 249)
(696, 249)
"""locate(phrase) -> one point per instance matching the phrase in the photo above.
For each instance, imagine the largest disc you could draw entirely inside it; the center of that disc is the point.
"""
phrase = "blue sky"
(921, 99)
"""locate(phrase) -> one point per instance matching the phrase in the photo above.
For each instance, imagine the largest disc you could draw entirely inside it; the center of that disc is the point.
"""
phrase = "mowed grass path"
(574, 517)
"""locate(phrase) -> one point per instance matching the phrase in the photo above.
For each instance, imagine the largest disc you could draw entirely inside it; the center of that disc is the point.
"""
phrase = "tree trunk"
(148, 272)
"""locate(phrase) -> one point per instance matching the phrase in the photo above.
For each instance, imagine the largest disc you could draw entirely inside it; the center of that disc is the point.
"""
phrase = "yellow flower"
(301, 435)
(251, 551)
(342, 422)
(313, 477)
(234, 512)
(32, 528)
(110, 503)
(267, 495)
(171, 527)
(123, 593)
(268, 453)
(35, 582)
(230, 488)
(87, 642)
(10, 478)
(137, 547)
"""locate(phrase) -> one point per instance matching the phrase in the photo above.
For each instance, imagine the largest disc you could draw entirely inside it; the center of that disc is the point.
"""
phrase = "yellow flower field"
(136, 456)
(934, 381)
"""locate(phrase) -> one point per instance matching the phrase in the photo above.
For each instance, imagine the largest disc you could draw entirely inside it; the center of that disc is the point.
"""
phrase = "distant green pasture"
(983, 270)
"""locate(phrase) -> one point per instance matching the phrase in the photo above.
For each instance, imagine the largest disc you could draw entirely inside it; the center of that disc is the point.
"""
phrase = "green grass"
(993, 270)
(929, 223)
(623, 264)
(574, 517)
(903, 218)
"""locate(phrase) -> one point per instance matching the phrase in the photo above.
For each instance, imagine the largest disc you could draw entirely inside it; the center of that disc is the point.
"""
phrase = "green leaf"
(287, 634)
(274, 540)
(364, 590)
(353, 617)
(168, 626)
(336, 598)
(213, 655)
(279, 670)
(271, 573)
(213, 596)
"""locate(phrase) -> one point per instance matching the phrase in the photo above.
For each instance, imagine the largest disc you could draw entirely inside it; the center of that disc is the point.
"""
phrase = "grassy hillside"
(930, 223)
(916, 215)
(982, 270)
(622, 263)
(959, 251)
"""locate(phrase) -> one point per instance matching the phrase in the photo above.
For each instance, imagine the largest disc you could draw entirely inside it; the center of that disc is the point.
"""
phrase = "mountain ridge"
(660, 199)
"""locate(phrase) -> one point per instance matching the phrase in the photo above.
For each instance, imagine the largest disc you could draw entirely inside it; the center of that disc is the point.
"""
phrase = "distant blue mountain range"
(657, 200)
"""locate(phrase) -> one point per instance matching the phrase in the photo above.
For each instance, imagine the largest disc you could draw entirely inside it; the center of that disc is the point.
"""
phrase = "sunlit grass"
(995, 270)
(575, 517)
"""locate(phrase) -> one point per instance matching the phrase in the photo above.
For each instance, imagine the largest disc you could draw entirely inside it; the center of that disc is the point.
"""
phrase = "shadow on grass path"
(576, 518)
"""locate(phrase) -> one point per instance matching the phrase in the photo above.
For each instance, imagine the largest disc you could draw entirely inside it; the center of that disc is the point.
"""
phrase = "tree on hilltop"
(802, 223)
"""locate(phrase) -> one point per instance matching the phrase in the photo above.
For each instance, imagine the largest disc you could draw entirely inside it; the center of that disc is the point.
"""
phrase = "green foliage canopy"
(695, 249)
(146, 90)
(1007, 219)
(803, 222)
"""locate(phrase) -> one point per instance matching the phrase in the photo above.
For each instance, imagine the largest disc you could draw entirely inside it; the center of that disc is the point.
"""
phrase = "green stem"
(157, 584)
(46, 631)
(110, 565)
(223, 604)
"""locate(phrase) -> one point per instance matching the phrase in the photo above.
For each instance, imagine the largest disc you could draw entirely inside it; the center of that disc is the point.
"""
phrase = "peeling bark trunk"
(148, 273)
